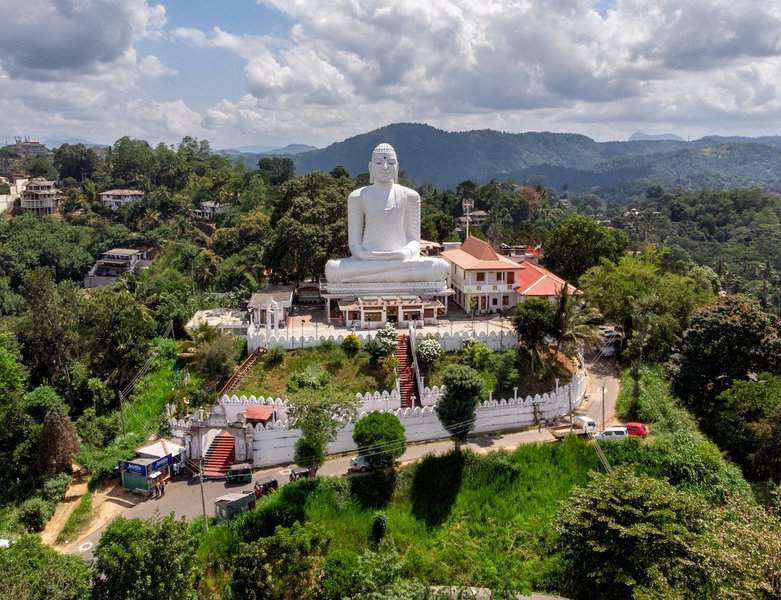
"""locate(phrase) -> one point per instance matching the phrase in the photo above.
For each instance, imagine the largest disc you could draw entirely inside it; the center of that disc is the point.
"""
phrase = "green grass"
(9, 522)
(78, 519)
(656, 404)
(470, 519)
(350, 375)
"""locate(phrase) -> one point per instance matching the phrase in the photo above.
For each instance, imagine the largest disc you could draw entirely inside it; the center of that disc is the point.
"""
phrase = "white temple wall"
(496, 340)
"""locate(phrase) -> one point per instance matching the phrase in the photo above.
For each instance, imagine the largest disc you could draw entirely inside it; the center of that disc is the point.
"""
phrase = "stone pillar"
(328, 310)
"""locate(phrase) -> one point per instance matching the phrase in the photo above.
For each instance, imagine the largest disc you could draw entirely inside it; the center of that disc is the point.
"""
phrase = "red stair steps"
(220, 456)
(405, 370)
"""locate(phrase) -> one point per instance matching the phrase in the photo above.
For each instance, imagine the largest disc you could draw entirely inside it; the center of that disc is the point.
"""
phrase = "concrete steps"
(220, 456)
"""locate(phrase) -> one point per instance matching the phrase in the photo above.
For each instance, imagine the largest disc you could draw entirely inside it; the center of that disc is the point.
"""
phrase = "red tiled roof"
(477, 255)
(258, 412)
(534, 280)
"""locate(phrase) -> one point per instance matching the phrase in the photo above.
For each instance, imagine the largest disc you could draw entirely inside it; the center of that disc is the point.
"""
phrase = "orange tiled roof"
(534, 280)
(477, 255)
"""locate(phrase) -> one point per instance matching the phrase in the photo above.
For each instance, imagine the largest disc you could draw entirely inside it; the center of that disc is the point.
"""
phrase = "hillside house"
(115, 199)
(534, 281)
(112, 265)
(209, 210)
(40, 197)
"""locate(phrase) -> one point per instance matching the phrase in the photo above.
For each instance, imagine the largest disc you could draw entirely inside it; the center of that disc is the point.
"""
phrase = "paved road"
(183, 497)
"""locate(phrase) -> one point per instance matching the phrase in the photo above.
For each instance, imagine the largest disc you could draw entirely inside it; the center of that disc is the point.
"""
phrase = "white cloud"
(702, 65)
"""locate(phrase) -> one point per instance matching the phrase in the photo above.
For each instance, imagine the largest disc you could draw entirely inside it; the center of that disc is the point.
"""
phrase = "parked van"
(586, 424)
(613, 433)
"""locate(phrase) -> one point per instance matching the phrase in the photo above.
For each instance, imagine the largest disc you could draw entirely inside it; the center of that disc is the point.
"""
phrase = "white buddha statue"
(383, 231)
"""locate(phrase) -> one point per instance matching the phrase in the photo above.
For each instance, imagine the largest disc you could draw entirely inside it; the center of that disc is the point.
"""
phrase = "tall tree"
(578, 243)
(59, 444)
(277, 170)
(456, 409)
(76, 161)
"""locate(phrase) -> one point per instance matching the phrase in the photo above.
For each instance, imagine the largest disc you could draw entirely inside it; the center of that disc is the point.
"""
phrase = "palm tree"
(571, 323)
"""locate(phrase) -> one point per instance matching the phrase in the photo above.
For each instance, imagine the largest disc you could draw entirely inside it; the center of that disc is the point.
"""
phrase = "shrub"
(274, 356)
(35, 512)
(314, 377)
(428, 351)
(379, 527)
(389, 365)
(55, 487)
(380, 437)
(476, 354)
(351, 344)
(456, 409)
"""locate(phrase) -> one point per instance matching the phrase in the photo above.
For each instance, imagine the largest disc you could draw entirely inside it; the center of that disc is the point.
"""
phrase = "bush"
(314, 377)
(351, 344)
(35, 512)
(380, 437)
(476, 354)
(274, 356)
(379, 527)
(55, 487)
(428, 351)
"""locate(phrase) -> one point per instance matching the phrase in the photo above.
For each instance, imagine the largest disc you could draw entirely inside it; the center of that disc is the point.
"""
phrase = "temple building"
(477, 271)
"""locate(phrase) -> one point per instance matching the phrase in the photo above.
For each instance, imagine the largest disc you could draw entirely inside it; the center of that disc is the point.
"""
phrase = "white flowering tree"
(428, 351)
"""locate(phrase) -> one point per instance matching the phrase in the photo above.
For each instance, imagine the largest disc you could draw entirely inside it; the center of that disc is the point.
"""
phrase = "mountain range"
(564, 160)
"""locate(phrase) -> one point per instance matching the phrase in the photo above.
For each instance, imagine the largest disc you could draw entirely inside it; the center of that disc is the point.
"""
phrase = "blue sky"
(272, 72)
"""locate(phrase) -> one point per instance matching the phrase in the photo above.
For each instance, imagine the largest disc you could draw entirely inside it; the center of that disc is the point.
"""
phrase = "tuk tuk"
(298, 473)
(266, 486)
(239, 474)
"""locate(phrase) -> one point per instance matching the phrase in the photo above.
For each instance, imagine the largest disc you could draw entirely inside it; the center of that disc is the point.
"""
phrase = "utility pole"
(122, 411)
(603, 408)
(203, 499)
(468, 204)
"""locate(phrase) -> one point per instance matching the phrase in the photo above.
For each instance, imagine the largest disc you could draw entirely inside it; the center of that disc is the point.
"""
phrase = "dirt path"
(76, 489)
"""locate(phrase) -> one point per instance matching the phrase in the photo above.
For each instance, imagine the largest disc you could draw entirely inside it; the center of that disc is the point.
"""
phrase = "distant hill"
(291, 149)
(444, 159)
(639, 136)
(55, 143)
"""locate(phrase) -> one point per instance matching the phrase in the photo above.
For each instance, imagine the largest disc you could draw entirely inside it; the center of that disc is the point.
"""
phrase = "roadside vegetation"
(77, 521)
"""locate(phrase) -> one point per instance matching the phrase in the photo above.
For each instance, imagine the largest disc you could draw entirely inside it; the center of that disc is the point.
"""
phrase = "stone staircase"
(220, 456)
(405, 370)
(240, 372)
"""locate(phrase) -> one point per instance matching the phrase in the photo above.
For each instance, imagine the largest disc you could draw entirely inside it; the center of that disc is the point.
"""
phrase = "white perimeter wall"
(273, 445)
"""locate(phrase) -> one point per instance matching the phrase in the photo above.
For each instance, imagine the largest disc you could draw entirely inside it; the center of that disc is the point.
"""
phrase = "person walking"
(156, 493)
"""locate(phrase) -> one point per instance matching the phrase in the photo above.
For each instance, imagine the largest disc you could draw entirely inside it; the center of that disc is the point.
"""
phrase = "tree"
(278, 170)
(766, 463)
(40, 166)
(310, 451)
(630, 536)
(75, 161)
(742, 414)
(578, 243)
(284, 566)
(11, 373)
(30, 570)
(146, 560)
(534, 323)
(215, 358)
(380, 438)
(319, 417)
(725, 340)
(571, 326)
(59, 444)
(428, 351)
(456, 409)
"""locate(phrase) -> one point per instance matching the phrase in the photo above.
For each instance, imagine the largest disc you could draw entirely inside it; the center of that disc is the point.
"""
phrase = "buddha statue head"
(384, 166)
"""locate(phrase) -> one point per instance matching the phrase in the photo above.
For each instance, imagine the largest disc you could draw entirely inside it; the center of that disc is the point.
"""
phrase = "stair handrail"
(412, 347)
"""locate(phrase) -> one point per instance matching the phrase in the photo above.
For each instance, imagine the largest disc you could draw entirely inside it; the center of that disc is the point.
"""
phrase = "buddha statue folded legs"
(352, 270)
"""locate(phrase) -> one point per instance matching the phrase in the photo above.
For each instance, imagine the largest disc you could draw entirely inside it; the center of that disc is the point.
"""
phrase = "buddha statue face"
(384, 166)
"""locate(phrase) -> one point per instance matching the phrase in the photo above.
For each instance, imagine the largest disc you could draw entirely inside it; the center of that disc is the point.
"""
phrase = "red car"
(637, 429)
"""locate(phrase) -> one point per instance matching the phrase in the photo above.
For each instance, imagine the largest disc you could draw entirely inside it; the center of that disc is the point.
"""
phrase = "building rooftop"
(123, 251)
(217, 317)
(122, 192)
(279, 293)
(477, 255)
(161, 448)
(534, 280)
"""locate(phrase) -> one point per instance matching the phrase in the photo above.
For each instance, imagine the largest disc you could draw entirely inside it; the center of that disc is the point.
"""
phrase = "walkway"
(183, 498)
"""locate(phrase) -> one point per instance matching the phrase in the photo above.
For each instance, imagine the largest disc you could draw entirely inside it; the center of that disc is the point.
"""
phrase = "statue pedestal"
(369, 305)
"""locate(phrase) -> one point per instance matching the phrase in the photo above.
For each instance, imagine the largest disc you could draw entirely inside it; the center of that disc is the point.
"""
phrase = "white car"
(613, 433)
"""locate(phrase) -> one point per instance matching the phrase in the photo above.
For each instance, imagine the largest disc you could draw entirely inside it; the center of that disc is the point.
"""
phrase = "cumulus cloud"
(522, 64)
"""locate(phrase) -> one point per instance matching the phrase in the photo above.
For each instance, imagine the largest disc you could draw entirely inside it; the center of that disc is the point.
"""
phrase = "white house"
(209, 210)
(114, 199)
(40, 197)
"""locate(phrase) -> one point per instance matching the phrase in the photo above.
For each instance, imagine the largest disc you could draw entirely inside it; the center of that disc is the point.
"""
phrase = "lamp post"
(603, 408)
(203, 499)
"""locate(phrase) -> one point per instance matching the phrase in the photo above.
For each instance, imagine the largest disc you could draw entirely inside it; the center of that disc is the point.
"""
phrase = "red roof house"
(536, 281)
